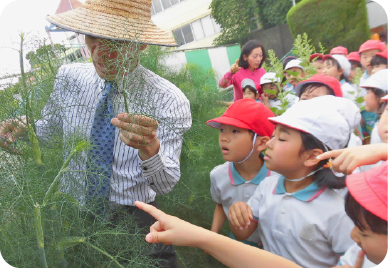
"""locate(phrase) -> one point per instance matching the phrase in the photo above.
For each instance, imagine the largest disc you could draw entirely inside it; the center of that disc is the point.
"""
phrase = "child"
(245, 130)
(339, 51)
(267, 82)
(318, 63)
(287, 209)
(354, 59)
(295, 67)
(249, 89)
(379, 61)
(338, 66)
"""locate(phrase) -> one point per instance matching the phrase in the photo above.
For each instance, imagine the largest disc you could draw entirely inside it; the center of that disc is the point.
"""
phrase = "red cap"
(383, 54)
(354, 56)
(328, 81)
(370, 190)
(372, 44)
(316, 55)
(248, 114)
(339, 50)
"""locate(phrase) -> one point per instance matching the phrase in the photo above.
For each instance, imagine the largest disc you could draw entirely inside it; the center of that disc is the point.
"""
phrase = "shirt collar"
(236, 178)
(307, 194)
(342, 82)
(366, 74)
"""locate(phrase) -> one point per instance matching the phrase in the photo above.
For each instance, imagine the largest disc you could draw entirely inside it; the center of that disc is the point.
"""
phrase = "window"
(160, 5)
(196, 30)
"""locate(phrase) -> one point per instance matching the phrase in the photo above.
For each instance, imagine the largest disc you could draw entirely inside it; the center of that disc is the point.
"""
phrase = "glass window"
(197, 29)
(157, 6)
(207, 26)
(166, 4)
(178, 37)
(217, 27)
(187, 34)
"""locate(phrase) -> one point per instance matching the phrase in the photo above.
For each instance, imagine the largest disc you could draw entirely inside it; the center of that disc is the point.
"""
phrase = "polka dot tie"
(100, 156)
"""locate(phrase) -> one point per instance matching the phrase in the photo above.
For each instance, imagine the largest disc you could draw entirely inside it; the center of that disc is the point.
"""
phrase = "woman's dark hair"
(377, 60)
(336, 64)
(312, 86)
(247, 49)
(325, 176)
(362, 218)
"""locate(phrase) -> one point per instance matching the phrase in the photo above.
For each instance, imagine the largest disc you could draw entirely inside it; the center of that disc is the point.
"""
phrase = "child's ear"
(261, 143)
(257, 96)
(341, 71)
(311, 157)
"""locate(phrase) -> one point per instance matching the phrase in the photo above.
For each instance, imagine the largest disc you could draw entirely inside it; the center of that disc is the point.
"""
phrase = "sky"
(26, 16)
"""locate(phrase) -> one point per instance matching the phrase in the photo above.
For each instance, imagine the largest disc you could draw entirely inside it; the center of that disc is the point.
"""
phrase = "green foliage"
(273, 13)
(331, 22)
(234, 16)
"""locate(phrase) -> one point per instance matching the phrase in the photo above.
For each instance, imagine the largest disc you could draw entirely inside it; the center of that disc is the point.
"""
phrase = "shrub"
(333, 23)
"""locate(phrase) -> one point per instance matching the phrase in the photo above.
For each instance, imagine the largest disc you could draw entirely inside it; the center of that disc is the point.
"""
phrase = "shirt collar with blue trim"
(307, 194)
(342, 82)
(236, 178)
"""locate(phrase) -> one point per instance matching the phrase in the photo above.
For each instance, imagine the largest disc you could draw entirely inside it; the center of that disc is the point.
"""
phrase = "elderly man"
(133, 118)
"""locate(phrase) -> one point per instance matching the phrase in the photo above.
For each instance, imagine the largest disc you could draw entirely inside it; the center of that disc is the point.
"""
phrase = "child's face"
(378, 67)
(318, 65)
(383, 125)
(314, 91)
(372, 102)
(235, 142)
(282, 154)
(366, 58)
(291, 79)
(375, 245)
(353, 72)
(249, 94)
(330, 69)
(272, 87)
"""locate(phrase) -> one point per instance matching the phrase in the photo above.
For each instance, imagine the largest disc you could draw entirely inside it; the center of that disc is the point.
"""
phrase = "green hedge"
(331, 22)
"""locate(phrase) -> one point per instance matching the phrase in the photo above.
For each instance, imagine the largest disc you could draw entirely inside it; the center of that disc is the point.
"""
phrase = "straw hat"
(128, 20)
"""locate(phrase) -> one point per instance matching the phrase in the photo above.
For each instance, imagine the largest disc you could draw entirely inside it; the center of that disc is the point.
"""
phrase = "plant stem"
(39, 234)
(105, 253)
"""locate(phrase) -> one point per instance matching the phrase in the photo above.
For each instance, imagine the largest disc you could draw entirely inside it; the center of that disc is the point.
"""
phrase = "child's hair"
(377, 60)
(355, 63)
(312, 86)
(250, 88)
(247, 49)
(362, 218)
(379, 94)
(336, 64)
(325, 176)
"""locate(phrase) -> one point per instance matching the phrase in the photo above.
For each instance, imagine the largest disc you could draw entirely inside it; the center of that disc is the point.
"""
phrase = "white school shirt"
(351, 255)
(309, 227)
(227, 187)
(375, 138)
(70, 111)
(348, 91)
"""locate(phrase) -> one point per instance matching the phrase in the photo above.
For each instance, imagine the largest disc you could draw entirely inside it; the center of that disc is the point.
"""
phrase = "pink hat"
(372, 44)
(354, 56)
(328, 81)
(339, 50)
(383, 54)
(316, 55)
(248, 114)
(370, 190)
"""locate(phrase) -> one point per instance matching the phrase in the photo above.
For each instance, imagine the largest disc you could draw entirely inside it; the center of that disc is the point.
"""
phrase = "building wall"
(377, 13)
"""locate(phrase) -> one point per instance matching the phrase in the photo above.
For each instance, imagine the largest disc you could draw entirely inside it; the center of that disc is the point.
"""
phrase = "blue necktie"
(100, 156)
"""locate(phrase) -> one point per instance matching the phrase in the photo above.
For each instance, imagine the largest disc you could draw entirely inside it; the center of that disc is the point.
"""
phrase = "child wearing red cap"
(354, 59)
(339, 51)
(244, 132)
(379, 61)
(318, 62)
(283, 209)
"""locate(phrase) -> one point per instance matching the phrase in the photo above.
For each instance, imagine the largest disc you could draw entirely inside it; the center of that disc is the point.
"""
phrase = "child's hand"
(359, 261)
(235, 68)
(265, 97)
(240, 215)
(347, 160)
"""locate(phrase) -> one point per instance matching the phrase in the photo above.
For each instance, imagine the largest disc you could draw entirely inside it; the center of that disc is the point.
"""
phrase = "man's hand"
(139, 132)
(235, 68)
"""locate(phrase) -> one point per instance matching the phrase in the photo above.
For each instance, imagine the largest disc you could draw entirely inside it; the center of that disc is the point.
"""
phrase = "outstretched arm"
(172, 230)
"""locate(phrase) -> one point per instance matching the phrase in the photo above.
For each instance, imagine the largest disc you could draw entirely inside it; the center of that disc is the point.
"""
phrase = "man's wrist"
(147, 152)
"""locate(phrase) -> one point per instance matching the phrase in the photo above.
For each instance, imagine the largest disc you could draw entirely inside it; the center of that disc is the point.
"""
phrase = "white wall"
(376, 14)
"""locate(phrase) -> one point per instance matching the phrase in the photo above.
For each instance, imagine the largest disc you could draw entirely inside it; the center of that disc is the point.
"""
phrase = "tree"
(235, 18)
(274, 13)
(45, 57)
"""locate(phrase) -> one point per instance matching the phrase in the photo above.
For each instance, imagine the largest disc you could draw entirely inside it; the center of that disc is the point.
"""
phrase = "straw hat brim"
(114, 27)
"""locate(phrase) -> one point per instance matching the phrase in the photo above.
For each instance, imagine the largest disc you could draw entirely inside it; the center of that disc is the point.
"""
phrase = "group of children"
(273, 189)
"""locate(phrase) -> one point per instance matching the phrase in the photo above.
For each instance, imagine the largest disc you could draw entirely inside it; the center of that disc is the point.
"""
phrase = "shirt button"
(247, 196)
(145, 168)
(287, 197)
(282, 211)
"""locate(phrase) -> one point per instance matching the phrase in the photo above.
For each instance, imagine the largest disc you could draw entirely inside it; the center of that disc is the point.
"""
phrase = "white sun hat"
(342, 61)
(294, 63)
(269, 78)
(377, 80)
(328, 118)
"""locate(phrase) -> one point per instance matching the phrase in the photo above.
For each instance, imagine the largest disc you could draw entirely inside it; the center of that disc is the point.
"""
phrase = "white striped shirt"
(70, 111)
